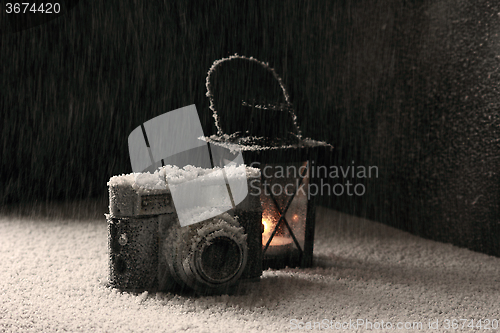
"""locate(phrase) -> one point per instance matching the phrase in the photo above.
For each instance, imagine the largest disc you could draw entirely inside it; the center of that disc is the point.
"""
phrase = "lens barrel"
(209, 256)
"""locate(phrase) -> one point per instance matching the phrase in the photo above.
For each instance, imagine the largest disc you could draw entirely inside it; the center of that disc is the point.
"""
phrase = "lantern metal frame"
(301, 150)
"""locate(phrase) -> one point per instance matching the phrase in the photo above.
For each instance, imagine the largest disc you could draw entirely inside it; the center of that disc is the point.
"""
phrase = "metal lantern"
(249, 100)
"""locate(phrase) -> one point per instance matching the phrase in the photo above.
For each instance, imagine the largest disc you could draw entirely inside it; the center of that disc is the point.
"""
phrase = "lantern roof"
(252, 108)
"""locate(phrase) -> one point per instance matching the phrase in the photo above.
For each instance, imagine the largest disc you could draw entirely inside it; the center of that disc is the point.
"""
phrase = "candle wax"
(279, 245)
(281, 241)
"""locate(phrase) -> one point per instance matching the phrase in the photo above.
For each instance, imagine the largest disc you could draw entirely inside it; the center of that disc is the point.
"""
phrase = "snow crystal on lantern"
(255, 143)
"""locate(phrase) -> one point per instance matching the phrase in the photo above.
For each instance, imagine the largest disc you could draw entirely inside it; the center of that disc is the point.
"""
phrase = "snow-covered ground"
(53, 274)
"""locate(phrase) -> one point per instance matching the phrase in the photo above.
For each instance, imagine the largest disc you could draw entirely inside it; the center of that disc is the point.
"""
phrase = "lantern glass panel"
(284, 192)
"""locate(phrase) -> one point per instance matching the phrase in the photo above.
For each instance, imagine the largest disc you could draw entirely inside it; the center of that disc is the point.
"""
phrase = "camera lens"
(208, 256)
(220, 260)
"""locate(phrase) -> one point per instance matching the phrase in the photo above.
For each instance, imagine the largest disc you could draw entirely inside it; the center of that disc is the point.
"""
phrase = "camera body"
(149, 250)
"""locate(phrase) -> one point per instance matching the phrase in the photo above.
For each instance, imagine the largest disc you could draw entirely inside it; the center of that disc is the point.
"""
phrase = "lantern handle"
(266, 66)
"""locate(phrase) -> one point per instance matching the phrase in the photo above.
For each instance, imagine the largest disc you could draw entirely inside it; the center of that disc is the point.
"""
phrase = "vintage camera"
(149, 250)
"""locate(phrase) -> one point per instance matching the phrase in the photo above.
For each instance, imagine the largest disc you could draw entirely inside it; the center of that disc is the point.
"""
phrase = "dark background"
(408, 86)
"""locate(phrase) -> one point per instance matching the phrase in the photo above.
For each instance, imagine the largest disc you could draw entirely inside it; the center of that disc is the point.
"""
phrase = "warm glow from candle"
(267, 226)
(267, 230)
(277, 240)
